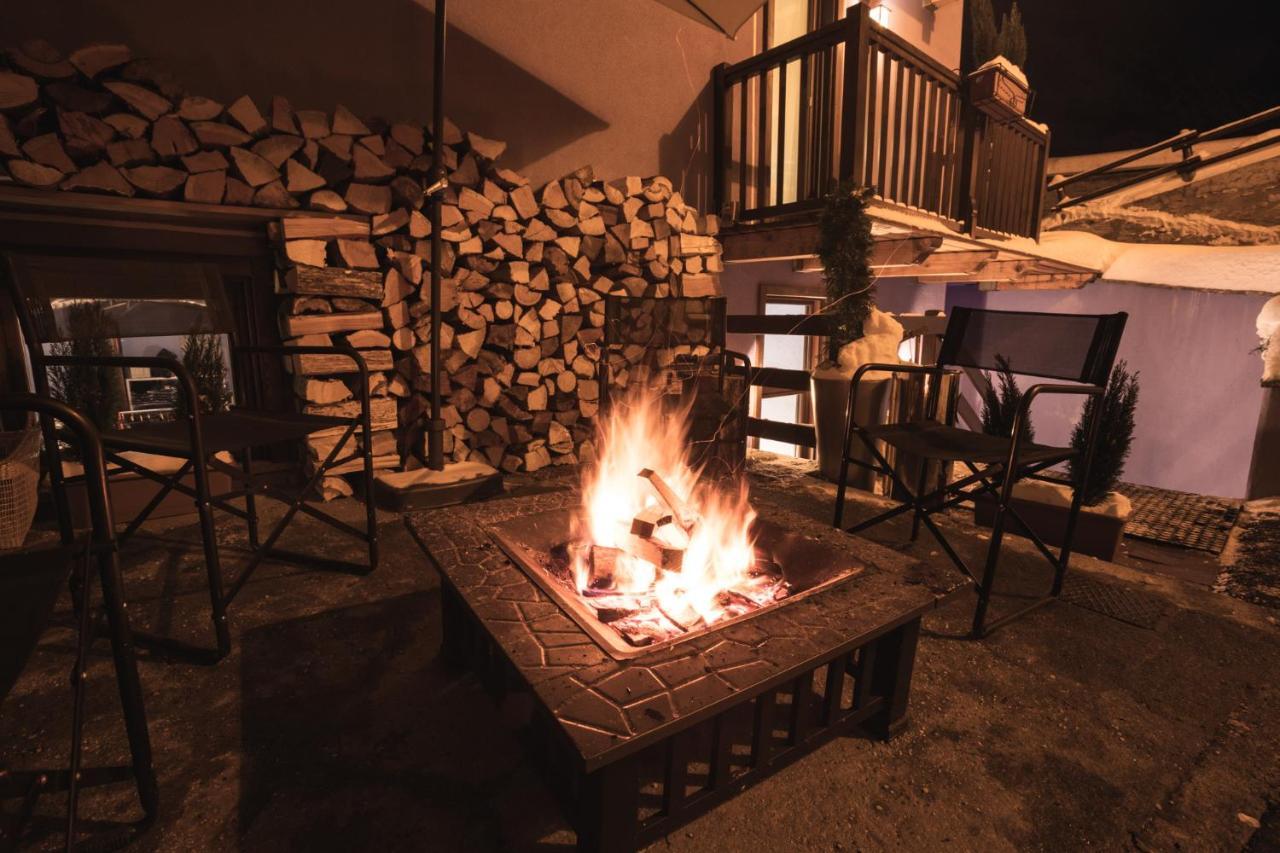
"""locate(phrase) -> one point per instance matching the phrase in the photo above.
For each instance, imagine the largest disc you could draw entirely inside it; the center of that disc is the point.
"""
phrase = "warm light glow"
(879, 13)
(717, 551)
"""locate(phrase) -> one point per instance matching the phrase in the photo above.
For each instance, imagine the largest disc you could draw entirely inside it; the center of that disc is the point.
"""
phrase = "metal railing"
(1183, 143)
(854, 100)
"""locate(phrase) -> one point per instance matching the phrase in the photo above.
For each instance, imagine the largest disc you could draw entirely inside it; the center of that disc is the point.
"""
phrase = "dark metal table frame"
(634, 749)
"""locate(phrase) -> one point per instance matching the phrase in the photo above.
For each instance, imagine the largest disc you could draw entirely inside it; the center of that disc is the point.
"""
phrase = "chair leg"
(213, 568)
(128, 683)
(989, 571)
(919, 504)
(78, 675)
(250, 499)
(370, 508)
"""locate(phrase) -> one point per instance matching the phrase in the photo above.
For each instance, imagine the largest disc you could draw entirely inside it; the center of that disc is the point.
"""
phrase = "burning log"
(685, 516)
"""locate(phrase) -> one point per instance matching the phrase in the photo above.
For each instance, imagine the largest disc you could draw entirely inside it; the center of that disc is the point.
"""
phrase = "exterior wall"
(1200, 397)
(621, 85)
(936, 32)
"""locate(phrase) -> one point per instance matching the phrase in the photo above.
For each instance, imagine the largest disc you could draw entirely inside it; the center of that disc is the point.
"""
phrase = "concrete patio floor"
(332, 727)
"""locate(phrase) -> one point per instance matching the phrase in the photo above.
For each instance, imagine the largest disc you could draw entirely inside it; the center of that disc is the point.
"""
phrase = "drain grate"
(1180, 518)
(1111, 600)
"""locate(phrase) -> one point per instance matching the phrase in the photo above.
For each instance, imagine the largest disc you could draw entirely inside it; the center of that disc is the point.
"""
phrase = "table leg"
(608, 808)
(891, 678)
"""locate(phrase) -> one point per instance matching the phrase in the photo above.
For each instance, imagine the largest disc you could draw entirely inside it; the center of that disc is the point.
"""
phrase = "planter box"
(130, 493)
(1096, 534)
(994, 90)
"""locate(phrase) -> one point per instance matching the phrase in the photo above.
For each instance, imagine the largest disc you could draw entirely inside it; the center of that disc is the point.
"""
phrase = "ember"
(660, 551)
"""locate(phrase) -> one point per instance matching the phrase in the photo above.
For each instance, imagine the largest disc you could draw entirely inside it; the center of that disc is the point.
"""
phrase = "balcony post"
(968, 127)
(853, 109)
(720, 152)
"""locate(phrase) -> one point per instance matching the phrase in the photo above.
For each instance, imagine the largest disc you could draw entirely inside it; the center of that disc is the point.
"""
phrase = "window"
(789, 352)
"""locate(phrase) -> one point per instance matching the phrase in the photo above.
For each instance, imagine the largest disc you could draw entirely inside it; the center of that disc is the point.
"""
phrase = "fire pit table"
(636, 743)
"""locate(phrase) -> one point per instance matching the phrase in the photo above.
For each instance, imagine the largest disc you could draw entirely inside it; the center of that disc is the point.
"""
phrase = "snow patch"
(1007, 67)
(455, 472)
(881, 337)
(1114, 505)
(1269, 334)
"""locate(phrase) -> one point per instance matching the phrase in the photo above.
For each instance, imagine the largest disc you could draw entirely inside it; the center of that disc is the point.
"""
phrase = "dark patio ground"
(332, 727)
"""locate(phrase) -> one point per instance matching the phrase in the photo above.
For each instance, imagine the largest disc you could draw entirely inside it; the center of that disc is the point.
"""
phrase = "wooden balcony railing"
(854, 100)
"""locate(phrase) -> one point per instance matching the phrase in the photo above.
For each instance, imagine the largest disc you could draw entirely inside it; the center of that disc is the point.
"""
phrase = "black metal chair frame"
(100, 545)
(186, 439)
(997, 479)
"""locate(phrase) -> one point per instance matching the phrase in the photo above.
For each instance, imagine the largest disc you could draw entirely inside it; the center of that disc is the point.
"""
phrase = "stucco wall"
(622, 85)
(1200, 395)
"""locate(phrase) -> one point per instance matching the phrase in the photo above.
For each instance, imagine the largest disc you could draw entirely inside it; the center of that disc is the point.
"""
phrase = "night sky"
(1111, 74)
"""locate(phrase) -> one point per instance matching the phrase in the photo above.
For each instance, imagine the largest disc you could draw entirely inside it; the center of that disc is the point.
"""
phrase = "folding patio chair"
(1076, 347)
(193, 294)
(29, 584)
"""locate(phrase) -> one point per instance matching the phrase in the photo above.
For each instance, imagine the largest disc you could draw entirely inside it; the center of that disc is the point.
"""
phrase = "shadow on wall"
(683, 153)
(373, 56)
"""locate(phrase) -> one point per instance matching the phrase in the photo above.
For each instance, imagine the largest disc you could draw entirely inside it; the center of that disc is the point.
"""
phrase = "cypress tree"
(202, 356)
(1012, 41)
(1115, 435)
(1000, 404)
(844, 246)
(982, 20)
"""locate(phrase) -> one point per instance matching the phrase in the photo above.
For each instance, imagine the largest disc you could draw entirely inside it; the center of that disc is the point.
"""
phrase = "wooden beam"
(1042, 281)
(775, 243)
(779, 324)
(943, 263)
(801, 434)
(895, 253)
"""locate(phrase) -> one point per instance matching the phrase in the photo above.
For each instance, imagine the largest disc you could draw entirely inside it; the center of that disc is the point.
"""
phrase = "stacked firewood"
(525, 269)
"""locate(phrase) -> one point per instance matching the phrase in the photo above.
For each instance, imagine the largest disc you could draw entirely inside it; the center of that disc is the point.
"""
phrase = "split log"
(160, 181)
(313, 253)
(93, 59)
(100, 177)
(197, 108)
(293, 326)
(244, 112)
(320, 281)
(144, 101)
(17, 91)
(322, 227)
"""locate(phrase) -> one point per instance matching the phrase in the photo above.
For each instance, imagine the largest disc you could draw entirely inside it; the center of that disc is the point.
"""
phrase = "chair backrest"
(1074, 347)
(140, 297)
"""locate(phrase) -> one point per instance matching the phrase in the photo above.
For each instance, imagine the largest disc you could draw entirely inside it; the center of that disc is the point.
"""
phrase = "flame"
(718, 553)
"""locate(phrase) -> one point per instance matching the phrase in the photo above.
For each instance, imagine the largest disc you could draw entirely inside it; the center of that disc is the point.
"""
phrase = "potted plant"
(860, 333)
(1045, 506)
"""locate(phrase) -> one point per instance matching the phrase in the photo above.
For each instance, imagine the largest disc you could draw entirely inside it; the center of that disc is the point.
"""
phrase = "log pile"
(525, 268)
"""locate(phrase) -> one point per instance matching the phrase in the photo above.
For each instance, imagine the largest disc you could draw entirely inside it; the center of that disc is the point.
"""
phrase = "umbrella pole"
(435, 434)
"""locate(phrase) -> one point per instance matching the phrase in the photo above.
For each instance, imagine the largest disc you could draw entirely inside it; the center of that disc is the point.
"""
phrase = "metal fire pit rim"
(608, 641)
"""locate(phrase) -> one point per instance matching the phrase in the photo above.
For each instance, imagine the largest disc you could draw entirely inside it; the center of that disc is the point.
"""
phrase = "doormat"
(1112, 600)
(1180, 518)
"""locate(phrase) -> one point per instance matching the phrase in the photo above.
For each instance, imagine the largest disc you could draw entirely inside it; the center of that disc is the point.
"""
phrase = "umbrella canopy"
(727, 16)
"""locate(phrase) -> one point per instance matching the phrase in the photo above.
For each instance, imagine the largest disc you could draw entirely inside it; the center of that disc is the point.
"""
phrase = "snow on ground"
(1161, 226)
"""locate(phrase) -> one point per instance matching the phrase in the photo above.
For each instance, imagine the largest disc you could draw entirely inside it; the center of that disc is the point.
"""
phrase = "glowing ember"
(663, 552)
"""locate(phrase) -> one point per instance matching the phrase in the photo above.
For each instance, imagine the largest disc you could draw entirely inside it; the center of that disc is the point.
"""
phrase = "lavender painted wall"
(1200, 395)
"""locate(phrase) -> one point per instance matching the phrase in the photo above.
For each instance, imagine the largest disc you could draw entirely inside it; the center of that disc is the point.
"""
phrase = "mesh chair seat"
(234, 430)
(932, 440)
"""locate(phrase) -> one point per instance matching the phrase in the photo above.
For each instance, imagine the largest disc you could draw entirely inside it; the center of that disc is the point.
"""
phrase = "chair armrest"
(362, 390)
(884, 367)
(1024, 408)
(177, 368)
